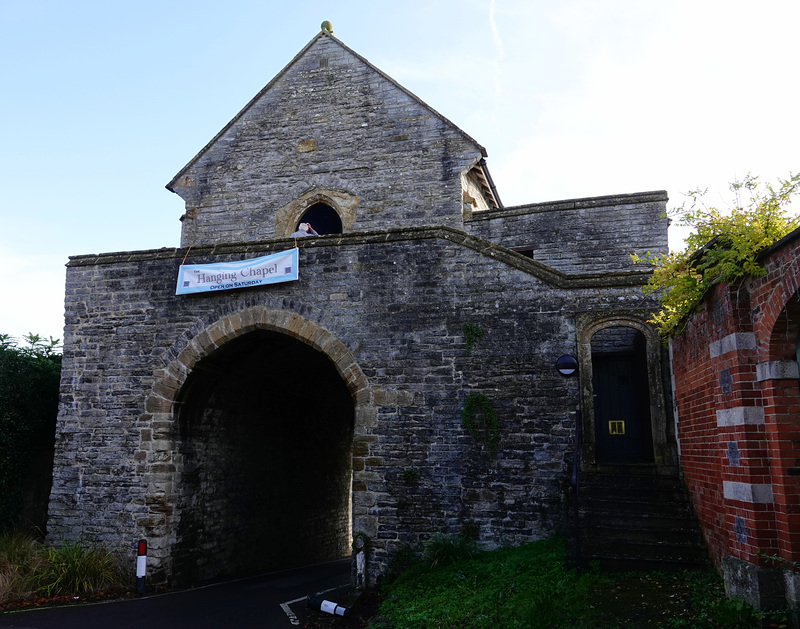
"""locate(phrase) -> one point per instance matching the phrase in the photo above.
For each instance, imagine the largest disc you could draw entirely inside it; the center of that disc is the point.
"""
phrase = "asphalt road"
(268, 601)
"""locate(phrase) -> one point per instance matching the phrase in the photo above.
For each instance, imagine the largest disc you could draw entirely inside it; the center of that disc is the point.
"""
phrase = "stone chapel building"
(266, 426)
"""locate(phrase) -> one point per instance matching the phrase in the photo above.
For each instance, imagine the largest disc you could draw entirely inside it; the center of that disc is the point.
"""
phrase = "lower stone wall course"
(390, 316)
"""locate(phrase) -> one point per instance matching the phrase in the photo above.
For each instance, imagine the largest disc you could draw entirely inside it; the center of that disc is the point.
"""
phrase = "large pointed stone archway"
(163, 450)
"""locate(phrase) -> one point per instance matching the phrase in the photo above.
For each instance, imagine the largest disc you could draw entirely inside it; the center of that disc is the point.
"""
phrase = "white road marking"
(285, 607)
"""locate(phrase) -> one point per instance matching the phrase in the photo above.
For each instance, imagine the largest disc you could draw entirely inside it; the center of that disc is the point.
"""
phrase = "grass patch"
(444, 550)
(29, 569)
(531, 587)
(21, 558)
(74, 568)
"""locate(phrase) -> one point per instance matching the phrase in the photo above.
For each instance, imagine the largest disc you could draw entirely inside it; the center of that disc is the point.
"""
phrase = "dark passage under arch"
(266, 429)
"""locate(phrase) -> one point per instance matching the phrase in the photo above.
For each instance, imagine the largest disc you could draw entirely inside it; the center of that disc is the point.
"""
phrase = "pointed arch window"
(323, 218)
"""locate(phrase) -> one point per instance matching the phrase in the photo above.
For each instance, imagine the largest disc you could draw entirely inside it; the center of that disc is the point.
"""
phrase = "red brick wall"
(738, 406)
(776, 316)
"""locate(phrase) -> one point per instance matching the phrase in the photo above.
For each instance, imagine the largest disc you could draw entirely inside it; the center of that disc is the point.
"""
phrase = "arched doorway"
(622, 423)
(323, 218)
(265, 435)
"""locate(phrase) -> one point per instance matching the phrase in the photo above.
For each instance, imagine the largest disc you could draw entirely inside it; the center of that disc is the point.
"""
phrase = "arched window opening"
(323, 218)
(622, 422)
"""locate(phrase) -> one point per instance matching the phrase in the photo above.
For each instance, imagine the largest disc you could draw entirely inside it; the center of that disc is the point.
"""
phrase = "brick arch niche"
(250, 448)
(780, 390)
(637, 331)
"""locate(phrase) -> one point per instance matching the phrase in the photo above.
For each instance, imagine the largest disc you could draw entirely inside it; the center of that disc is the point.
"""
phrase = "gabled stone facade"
(329, 127)
(247, 429)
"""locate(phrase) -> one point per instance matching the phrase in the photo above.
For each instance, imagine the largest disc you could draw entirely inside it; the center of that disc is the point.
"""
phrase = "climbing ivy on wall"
(472, 333)
(722, 246)
(479, 420)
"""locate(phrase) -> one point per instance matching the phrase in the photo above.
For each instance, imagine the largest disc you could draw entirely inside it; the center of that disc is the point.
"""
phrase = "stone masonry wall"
(332, 124)
(395, 303)
(581, 235)
(385, 303)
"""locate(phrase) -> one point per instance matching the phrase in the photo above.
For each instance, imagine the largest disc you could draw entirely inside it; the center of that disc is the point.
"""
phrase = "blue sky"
(103, 102)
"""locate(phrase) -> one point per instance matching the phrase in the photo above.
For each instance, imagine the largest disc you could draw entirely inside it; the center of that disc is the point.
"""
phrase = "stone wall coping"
(571, 204)
(480, 245)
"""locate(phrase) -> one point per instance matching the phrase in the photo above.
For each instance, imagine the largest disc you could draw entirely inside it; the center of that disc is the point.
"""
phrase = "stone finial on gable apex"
(327, 27)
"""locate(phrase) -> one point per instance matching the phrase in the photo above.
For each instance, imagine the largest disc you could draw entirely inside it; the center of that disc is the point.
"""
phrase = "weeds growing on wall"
(410, 476)
(472, 334)
(722, 246)
(479, 420)
(444, 550)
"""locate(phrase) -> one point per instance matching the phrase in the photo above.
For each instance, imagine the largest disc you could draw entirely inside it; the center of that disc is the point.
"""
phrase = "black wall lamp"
(567, 366)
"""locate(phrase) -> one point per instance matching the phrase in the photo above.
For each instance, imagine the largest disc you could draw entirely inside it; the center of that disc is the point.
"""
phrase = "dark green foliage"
(480, 420)
(723, 246)
(29, 382)
(401, 561)
(410, 476)
(781, 562)
(443, 550)
(21, 557)
(532, 587)
(73, 568)
(29, 568)
(471, 530)
(528, 586)
(471, 335)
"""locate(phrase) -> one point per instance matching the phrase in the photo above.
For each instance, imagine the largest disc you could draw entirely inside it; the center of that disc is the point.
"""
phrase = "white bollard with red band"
(141, 567)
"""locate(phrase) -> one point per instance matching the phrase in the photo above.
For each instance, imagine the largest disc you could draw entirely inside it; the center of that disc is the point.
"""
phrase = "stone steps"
(638, 521)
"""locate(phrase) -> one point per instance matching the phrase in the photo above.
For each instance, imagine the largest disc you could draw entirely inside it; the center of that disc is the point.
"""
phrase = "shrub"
(723, 246)
(443, 550)
(73, 568)
(402, 560)
(21, 557)
(29, 381)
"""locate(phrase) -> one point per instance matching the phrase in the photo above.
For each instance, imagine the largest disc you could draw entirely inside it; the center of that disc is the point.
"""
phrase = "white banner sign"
(201, 278)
